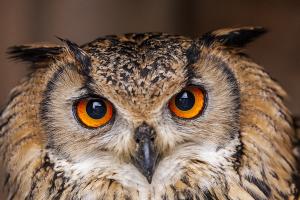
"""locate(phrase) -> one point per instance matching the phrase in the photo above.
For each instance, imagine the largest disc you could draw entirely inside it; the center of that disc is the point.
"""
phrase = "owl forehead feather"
(151, 60)
(232, 37)
(140, 65)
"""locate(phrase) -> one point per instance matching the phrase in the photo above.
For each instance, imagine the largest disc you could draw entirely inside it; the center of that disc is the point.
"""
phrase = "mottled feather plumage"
(241, 147)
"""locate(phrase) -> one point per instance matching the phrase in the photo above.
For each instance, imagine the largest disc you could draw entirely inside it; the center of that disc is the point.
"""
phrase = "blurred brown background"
(83, 20)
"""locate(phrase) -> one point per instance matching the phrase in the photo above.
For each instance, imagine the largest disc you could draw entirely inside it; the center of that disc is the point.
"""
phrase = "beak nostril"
(152, 139)
(137, 140)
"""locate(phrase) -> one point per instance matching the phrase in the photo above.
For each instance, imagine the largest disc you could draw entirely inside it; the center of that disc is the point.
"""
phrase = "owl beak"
(145, 158)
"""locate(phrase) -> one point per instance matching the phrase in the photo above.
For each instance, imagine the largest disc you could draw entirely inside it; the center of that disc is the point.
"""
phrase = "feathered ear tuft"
(233, 37)
(79, 54)
(41, 53)
(35, 53)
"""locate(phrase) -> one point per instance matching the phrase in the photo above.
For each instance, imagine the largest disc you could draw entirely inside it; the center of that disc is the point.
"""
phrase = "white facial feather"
(169, 170)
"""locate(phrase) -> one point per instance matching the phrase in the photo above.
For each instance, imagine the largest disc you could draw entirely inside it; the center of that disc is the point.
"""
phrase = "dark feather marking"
(34, 54)
(235, 92)
(296, 120)
(77, 186)
(153, 81)
(274, 175)
(238, 156)
(144, 72)
(241, 37)
(187, 194)
(15, 192)
(27, 137)
(283, 115)
(186, 181)
(208, 195)
(193, 54)
(7, 177)
(175, 195)
(16, 127)
(90, 182)
(5, 123)
(88, 84)
(296, 180)
(286, 160)
(254, 195)
(3, 107)
(15, 94)
(127, 197)
(111, 181)
(45, 104)
(261, 185)
(46, 165)
(115, 196)
(73, 187)
(196, 161)
(53, 184)
(235, 38)
(80, 55)
(5, 151)
(61, 189)
(164, 197)
(232, 80)
(285, 196)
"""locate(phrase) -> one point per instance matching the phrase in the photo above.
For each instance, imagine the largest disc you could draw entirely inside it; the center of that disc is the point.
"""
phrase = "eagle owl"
(147, 117)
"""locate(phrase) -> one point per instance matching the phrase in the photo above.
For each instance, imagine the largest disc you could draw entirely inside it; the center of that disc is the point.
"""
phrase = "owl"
(147, 117)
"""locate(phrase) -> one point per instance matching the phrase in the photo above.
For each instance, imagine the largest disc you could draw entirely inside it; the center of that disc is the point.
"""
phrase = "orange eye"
(94, 112)
(188, 103)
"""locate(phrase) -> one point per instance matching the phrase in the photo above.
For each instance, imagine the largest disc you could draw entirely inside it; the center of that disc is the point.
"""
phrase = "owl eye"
(94, 112)
(188, 103)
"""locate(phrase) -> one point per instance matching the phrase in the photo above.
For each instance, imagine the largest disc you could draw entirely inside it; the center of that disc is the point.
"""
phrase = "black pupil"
(96, 109)
(185, 100)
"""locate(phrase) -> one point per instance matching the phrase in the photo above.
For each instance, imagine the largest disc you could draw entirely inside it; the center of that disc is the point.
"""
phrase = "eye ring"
(93, 112)
(188, 103)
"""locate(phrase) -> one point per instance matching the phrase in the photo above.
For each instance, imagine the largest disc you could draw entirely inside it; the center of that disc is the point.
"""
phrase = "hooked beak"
(145, 158)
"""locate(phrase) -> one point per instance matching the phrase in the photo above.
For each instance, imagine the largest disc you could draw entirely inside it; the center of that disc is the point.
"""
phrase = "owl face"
(147, 116)
(148, 105)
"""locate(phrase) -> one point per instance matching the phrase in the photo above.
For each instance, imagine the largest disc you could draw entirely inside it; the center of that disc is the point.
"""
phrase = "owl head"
(142, 109)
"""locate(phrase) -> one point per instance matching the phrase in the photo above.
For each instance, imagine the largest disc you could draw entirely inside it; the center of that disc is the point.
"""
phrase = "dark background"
(83, 20)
